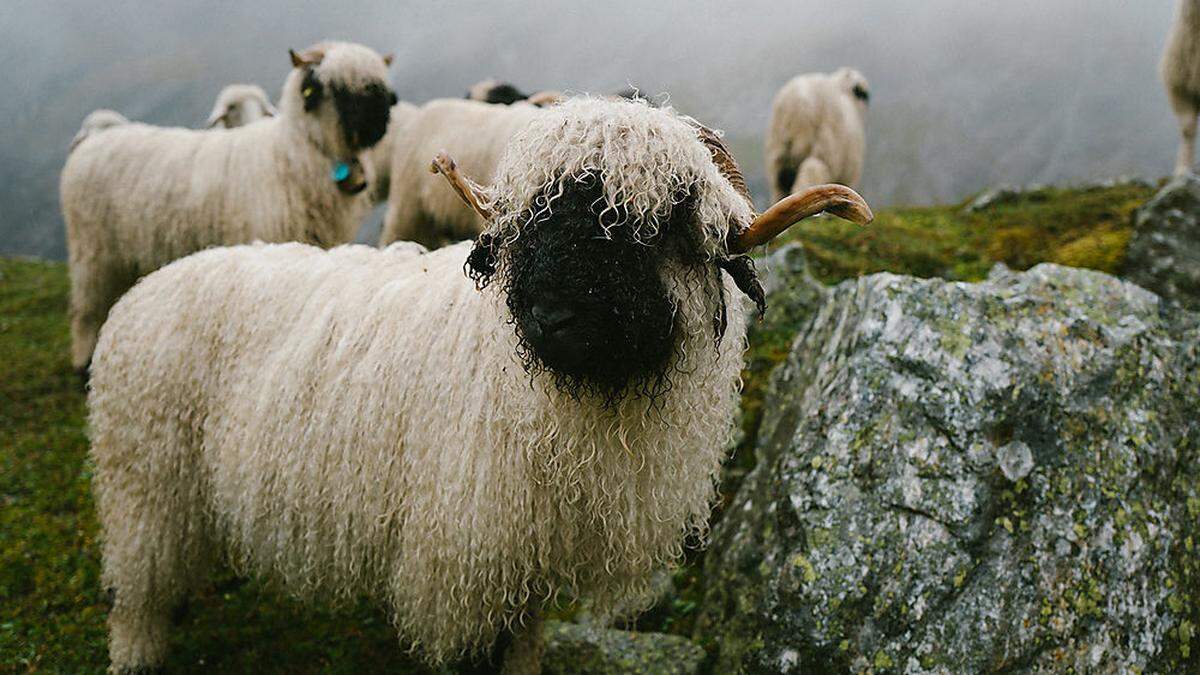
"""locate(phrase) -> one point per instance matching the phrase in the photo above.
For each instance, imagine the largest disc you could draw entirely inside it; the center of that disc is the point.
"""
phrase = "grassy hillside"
(52, 607)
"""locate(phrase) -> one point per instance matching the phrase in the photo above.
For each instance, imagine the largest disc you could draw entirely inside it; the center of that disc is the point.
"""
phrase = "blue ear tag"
(341, 171)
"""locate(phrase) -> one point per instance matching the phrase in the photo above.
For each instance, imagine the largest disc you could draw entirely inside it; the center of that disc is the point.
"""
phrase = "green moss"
(1082, 228)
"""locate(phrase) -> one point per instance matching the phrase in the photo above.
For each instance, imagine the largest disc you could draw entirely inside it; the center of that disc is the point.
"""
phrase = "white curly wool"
(817, 132)
(421, 208)
(1180, 71)
(136, 197)
(358, 421)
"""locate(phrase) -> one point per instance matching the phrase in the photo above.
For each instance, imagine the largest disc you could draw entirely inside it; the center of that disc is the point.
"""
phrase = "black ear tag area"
(481, 263)
(741, 269)
(311, 90)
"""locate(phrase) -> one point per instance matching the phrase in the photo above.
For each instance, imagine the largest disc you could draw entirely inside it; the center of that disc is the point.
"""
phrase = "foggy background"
(965, 95)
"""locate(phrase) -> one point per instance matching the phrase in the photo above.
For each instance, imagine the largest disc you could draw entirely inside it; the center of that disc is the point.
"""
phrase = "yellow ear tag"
(307, 92)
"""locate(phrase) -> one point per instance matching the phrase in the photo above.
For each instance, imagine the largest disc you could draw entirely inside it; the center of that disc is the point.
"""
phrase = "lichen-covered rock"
(1164, 253)
(572, 649)
(1001, 477)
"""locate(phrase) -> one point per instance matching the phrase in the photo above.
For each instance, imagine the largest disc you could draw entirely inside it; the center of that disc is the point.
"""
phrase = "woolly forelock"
(350, 64)
(648, 160)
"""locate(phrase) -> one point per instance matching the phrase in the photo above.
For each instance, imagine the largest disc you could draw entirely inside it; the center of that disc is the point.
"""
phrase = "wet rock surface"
(572, 649)
(1001, 477)
(1164, 253)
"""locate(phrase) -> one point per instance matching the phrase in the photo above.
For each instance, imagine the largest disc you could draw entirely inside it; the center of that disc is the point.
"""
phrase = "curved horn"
(724, 160)
(470, 191)
(838, 200)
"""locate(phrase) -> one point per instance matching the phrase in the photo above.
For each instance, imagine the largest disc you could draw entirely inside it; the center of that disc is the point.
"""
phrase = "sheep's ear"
(481, 262)
(308, 57)
(388, 58)
(471, 192)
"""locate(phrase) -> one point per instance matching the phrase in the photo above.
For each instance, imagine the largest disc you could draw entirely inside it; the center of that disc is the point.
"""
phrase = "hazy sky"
(965, 94)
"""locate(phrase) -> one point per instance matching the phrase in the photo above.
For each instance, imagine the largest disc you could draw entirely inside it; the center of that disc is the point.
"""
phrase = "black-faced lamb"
(136, 197)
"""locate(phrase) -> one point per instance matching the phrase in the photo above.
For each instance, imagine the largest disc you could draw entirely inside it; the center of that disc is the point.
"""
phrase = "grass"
(52, 607)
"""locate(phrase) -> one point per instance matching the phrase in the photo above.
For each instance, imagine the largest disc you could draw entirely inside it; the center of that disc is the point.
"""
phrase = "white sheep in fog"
(1180, 70)
(420, 208)
(817, 132)
(136, 197)
(95, 122)
(363, 421)
(238, 105)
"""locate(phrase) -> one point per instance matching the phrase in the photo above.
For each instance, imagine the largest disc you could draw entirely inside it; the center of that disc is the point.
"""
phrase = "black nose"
(552, 332)
(553, 317)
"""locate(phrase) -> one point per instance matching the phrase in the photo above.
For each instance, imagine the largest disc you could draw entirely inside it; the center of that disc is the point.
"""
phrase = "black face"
(590, 309)
(363, 112)
(861, 93)
(505, 94)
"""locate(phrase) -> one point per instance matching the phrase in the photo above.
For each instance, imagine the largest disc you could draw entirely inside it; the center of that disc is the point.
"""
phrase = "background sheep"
(817, 131)
(492, 90)
(365, 420)
(238, 105)
(420, 208)
(137, 196)
(1180, 70)
(96, 121)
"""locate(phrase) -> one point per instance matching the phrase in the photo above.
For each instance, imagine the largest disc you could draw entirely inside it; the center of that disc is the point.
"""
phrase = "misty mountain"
(965, 95)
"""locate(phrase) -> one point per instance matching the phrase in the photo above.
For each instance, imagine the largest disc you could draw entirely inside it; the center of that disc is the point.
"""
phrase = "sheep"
(420, 208)
(238, 105)
(462, 448)
(95, 122)
(817, 131)
(138, 196)
(492, 90)
(1180, 71)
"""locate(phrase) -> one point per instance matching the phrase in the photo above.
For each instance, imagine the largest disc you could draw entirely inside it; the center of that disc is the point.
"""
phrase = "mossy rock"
(995, 477)
(1164, 254)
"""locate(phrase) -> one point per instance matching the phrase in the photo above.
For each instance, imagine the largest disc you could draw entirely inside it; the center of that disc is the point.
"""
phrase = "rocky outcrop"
(572, 649)
(1001, 477)
(1164, 253)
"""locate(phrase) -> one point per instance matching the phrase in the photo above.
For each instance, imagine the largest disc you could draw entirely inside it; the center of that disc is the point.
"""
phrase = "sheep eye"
(310, 91)
(861, 94)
